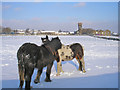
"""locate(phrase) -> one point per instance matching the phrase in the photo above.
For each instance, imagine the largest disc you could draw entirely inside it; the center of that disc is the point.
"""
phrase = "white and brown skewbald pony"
(67, 53)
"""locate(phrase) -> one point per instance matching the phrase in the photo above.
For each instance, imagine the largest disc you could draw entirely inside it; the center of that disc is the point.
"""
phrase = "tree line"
(8, 30)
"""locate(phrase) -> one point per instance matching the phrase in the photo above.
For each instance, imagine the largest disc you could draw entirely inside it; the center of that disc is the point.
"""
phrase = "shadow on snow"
(99, 81)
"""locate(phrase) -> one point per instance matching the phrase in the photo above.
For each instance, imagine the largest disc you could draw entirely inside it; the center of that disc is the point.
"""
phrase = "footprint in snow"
(98, 67)
(107, 66)
(88, 69)
(115, 66)
(88, 64)
(4, 65)
(68, 73)
(81, 72)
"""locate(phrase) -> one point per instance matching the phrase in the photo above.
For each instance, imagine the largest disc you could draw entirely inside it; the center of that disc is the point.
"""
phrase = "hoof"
(20, 87)
(79, 70)
(21, 84)
(47, 80)
(28, 88)
(84, 71)
(36, 81)
(62, 71)
(57, 74)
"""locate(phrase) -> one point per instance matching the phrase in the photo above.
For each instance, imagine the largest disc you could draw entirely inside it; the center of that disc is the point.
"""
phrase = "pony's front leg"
(61, 68)
(37, 79)
(48, 72)
(58, 68)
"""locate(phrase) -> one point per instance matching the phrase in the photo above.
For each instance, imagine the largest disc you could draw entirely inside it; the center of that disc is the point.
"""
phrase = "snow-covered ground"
(101, 61)
(108, 36)
(116, 38)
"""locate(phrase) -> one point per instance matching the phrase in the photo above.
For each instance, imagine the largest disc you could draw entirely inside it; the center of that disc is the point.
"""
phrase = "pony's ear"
(46, 36)
(41, 38)
(57, 37)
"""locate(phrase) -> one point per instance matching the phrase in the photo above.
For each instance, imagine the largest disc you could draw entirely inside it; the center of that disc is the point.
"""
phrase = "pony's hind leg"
(37, 79)
(21, 75)
(28, 74)
(80, 64)
(48, 72)
(83, 64)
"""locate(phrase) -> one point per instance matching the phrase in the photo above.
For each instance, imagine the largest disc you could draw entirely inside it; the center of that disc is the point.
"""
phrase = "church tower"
(80, 28)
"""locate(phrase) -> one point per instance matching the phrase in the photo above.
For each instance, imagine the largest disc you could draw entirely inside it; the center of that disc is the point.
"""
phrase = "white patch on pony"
(44, 40)
(65, 53)
(27, 56)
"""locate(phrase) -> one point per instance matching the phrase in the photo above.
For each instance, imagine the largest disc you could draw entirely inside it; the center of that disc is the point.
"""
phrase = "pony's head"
(56, 42)
(45, 40)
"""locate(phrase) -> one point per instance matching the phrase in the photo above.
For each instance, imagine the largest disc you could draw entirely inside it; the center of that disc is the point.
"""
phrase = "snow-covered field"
(108, 36)
(101, 61)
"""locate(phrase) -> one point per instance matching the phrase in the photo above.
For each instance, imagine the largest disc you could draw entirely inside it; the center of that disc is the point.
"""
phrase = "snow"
(101, 61)
(114, 37)
(47, 31)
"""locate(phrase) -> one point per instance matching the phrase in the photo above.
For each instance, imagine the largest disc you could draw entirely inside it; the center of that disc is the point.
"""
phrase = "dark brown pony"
(31, 56)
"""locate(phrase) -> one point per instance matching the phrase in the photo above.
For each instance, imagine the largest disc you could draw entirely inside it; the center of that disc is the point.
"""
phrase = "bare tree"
(27, 31)
(6, 30)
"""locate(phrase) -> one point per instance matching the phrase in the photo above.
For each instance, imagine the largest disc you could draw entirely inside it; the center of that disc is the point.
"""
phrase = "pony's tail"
(21, 72)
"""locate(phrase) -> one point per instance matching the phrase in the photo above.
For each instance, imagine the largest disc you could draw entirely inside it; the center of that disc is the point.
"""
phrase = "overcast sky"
(60, 15)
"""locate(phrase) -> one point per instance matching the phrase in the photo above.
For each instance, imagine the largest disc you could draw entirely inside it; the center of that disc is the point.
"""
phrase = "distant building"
(79, 31)
(87, 31)
(20, 31)
(48, 32)
(63, 33)
(102, 33)
(114, 34)
(72, 33)
(108, 33)
(95, 32)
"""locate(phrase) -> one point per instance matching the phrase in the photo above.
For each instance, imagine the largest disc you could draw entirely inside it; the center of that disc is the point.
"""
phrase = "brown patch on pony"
(78, 57)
